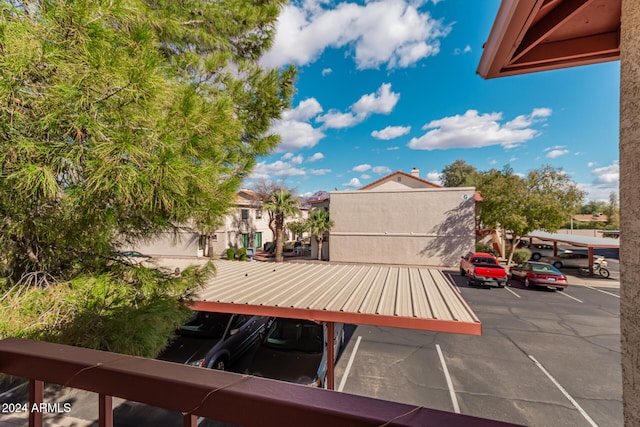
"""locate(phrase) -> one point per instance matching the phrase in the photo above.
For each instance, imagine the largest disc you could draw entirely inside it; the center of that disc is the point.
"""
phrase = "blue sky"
(389, 85)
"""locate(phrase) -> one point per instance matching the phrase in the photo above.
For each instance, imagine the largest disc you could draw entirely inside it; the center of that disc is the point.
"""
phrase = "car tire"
(219, 364)
(560, 289)
(604, 272)
(471, 282)
(526, 282)
(557, 264)
(536, 256)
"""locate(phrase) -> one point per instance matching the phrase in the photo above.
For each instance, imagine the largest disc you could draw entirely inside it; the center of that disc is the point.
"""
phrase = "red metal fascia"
(435, 325)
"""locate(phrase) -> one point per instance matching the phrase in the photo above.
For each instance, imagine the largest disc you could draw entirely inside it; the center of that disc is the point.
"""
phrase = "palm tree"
(281, 204)
(319, 223)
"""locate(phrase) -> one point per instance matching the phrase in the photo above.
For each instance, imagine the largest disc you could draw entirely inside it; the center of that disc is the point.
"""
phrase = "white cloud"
(392, 148)
(473, 130)
(337, 120)
(381, 102)
(297, 160)
(606, 180)
(286, 156)
(435, 177)
(607, 174)
(365, 176)
(316, 157)
(391, 132)
(458, 51)
(274, 170)
(556, 153)
(361, 168)
(354, 183)
(381, 170)
(591, 164)
(294, 130)
(326, 71)
(391, 32)
(319, 171)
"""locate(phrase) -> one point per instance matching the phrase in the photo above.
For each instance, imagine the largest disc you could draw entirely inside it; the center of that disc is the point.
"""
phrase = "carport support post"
(590, 252)
(331, 351)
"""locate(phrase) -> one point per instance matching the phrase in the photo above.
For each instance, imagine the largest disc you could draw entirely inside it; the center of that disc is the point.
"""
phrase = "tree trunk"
(279, 245)
(319, 240)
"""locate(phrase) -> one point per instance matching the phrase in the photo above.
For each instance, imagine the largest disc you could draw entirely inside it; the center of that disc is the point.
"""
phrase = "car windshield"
(206, 325)
(295, 335)
(549, 269)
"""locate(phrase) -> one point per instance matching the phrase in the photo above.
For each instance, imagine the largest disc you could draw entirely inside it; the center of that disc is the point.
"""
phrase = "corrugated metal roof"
(397, 296)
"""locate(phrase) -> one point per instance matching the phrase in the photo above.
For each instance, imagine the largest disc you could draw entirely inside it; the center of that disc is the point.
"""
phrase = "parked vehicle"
(214, 340)
(296, 351)
(482, 268)
(533, 273)
(133, 257)
(573, 259)
(538, 250)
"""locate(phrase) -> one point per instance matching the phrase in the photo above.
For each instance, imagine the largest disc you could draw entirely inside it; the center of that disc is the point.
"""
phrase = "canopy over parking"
(401, 297)
(581, 241)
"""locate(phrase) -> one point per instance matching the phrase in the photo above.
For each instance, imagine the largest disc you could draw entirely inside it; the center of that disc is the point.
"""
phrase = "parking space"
(545, 358)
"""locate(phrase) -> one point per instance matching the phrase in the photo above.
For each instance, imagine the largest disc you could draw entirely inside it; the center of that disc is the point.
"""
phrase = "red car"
(539, 274)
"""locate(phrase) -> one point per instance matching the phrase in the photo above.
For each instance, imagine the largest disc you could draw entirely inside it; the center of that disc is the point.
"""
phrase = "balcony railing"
(197, 392)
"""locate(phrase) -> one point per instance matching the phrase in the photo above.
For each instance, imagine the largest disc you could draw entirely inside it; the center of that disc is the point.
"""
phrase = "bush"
(231, 254)
(481, 247)
(520, 256)
(242, 254)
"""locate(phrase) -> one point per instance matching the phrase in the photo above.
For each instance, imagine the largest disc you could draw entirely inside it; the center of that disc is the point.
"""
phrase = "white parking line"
(512, 291)
(452, 392)
(569, 296)
(343, 381)
(567, 395)
(604, 292)
(9, 391)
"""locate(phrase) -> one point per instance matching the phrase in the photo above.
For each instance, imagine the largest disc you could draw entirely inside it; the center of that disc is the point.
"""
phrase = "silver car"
(573, 259)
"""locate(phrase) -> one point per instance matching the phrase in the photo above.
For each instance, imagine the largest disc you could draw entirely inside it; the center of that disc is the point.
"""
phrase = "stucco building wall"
(386, 225)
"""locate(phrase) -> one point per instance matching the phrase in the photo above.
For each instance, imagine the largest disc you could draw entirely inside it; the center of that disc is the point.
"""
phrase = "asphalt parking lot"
(545, 358)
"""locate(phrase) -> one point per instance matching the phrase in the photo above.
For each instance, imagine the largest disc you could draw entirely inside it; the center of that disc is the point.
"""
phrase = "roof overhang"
(395, 296)
(539, 35)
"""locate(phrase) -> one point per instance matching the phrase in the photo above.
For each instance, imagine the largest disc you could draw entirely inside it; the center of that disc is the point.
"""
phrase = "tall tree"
(542, 200)
(460, 174)
(124, 119)
(613, 211)
(319, 223)
(283, 205)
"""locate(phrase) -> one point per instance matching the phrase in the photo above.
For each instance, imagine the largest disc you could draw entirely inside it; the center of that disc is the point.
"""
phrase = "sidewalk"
(596, 281)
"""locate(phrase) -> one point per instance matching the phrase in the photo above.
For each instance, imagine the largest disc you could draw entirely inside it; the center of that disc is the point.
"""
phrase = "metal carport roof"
(572, 239)
(396, 296)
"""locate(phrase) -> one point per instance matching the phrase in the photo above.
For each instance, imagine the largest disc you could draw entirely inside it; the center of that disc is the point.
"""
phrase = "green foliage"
(242, 254)
(119, 121)
(481, 247)
(542, 200)
(231, 254)
(520, 256)
(319, 223)
(460, 174)
(133, 313)
(282, 204)
(122, 120)
(298, 227)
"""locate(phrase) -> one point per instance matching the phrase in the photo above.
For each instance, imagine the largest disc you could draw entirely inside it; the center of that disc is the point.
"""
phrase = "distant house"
(402, 219)
(245, 226)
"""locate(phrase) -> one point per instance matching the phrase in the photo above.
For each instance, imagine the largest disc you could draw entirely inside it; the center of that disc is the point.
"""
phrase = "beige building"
(245, 226)
(402, 219)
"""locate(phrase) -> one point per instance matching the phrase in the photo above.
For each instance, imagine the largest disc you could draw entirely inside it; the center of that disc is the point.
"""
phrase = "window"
(245, 214)
(258, 213)
(245, 240)
(214, 238)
